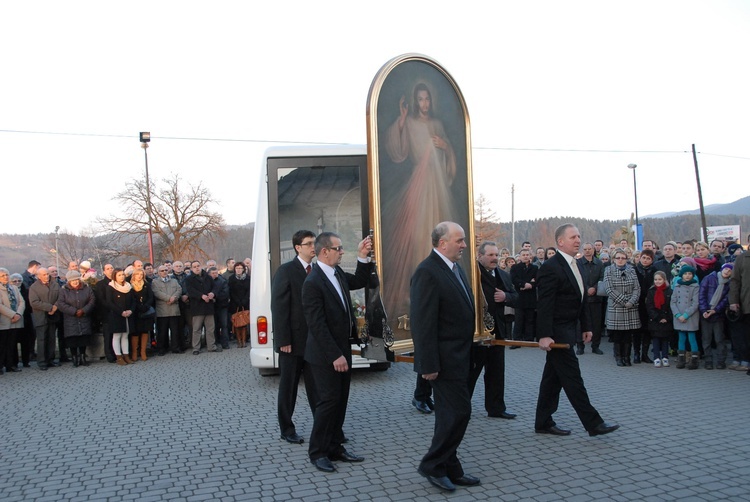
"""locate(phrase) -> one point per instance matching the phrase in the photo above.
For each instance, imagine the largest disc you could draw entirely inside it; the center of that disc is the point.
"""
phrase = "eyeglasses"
(621, 257)
(16, 281)
(311, 243)
(337, 248)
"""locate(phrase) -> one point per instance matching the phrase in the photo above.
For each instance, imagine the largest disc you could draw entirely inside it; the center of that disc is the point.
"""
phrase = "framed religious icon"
(419, 170)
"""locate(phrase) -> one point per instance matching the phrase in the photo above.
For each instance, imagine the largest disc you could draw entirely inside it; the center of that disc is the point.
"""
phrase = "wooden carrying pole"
(520, 343)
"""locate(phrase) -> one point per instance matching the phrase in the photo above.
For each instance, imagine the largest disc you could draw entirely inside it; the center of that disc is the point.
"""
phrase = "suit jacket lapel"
(452, 278)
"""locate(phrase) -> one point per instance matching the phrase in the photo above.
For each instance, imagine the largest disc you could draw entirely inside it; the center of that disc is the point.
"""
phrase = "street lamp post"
(635, 193)
(145, 138)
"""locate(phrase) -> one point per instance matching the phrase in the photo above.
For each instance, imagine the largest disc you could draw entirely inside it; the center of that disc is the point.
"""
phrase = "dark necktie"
(308, 268)
(458, 276)
(343, 291)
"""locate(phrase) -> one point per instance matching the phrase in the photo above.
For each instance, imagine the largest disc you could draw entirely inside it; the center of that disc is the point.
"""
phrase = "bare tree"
(98, 249)
(181, 218)
(485, 227)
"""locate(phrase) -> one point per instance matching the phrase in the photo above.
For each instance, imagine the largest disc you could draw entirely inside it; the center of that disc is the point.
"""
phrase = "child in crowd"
(660, 318)
(684, 305)
(713, 301)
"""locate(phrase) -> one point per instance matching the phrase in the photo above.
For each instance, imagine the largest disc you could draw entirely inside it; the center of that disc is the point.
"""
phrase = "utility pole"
(700, 195)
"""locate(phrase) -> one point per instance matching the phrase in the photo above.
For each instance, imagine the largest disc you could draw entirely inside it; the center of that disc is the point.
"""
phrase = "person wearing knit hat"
(731, 250)
(713, 301)
(685, 305)
(76, 302)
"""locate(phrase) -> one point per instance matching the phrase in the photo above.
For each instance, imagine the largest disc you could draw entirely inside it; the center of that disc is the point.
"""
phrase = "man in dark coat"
(201, 295)
(290, 331)
(331, 329)
(102, 311)
(442, 326)
(498, 292)
(560, 313)
(592, 270)
(43, 295)
(524, 275)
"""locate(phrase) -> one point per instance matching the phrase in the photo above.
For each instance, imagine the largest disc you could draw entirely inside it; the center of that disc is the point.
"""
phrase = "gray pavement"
(184, 427)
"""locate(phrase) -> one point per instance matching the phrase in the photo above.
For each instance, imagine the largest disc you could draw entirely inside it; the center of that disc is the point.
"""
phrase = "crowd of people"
(132, 311)
(678, 300)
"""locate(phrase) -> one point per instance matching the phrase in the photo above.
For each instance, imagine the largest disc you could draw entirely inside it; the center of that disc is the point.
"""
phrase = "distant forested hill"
(541, 232)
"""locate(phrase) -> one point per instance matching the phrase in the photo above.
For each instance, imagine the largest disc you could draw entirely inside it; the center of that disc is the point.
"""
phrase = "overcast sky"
(545, 83)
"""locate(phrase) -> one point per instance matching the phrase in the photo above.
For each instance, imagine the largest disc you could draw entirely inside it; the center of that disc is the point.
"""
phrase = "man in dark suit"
(498, 292)
(560, 309)
(331, 329)
(290, 331)
(524, 275)
(593, 271)
(442, 326)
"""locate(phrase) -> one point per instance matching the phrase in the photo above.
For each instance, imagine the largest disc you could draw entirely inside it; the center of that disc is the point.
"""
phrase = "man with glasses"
(42, 297)
(290, 331)
(200, 292)
(331, 327)
(186, 319)
(167, 292)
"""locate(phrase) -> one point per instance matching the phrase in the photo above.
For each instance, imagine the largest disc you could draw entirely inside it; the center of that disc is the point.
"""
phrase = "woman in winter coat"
(144, 299)
(623, 291)
(239, 298)
(12, 307)
(76, 302)
(713, 300)
(644, 270)
(686, 317)
(122, 305)
(659, 312)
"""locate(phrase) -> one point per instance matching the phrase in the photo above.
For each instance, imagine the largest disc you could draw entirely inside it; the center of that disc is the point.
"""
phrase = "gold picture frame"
(419, 174)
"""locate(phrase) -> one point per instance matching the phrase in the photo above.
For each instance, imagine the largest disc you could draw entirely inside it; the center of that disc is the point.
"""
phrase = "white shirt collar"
(446, 260)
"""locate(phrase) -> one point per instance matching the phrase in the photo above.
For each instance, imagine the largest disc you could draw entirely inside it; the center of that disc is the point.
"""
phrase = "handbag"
(601, 289)
(241, 318)
(148, 314)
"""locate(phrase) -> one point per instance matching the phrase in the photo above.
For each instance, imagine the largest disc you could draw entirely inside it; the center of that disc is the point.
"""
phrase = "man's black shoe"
(345, 456)
(597, 350)
(53, 364)
(554, 430)
(323, 464)
(292, 438)
(503, 414)
(466, 480)
(603, 428)
(14, 369)
(430, 403)
(421, 406)
(579, 351)
(42, 367)
(441, 482)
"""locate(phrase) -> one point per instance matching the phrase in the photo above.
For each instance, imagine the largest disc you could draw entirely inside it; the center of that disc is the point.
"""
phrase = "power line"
(573, 150)
(278, 141)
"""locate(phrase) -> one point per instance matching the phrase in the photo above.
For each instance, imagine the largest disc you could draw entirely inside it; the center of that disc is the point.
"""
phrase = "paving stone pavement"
(184, 427)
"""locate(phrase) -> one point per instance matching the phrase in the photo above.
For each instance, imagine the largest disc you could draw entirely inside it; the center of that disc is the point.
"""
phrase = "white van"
(321, 188)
